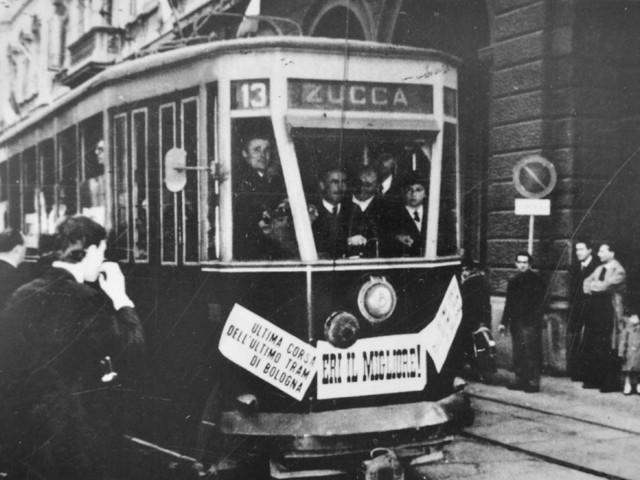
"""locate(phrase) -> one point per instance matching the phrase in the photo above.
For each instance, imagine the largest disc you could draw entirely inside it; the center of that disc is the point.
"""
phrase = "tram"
(260, 343)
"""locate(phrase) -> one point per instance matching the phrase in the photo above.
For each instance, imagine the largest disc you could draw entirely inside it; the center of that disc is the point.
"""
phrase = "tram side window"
(4, 197)
(448, 219)
(68, 168)
(48, 186)
(168, 199)
(210, 222)
(190, 192)
(120, 187)
(30, 227)
(93, 188)
(15, 200)
(263, 226)
(140, 190)
(355, 187)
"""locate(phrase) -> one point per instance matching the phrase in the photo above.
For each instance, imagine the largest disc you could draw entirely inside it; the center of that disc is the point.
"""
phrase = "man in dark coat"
(258, 188)
(365, 216)
(12, 252)
(579, 307)
(62, 345)
(406, 225)
(329, 228)
(523, 316)
(606, 288)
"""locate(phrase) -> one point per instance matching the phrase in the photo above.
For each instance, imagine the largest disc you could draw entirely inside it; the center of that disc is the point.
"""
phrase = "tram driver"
(258, 188)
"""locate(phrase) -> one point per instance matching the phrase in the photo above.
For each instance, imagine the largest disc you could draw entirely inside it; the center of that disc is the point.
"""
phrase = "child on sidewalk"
(629, 352)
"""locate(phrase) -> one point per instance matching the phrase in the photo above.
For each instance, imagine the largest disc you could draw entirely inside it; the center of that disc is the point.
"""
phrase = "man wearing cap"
(407, 226)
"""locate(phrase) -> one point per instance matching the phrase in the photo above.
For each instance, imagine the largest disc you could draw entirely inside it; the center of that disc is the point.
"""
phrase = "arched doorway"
(338, 21)
(460, 27)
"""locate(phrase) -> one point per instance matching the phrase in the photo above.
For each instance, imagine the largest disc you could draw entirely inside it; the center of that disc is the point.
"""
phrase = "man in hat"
(407, 225)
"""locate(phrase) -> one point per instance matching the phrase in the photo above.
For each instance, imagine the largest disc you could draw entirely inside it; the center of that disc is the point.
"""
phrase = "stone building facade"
(550, 77)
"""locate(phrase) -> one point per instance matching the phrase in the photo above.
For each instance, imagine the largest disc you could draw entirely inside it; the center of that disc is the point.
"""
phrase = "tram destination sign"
(360, 96)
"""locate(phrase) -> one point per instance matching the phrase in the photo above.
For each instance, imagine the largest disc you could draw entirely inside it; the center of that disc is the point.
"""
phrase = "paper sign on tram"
(438, 335)
(269, 352)
(372, 366)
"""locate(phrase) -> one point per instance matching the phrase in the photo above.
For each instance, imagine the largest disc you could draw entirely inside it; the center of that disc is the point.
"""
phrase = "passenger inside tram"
(259, 193)
(93, 189)
(406, 226)
(366, 212)
(329, 225)
(364, 191)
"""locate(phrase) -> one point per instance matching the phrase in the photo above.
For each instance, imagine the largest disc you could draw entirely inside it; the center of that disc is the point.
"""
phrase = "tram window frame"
(30, 194)
(163, 188)
(91, 133)
(449, 202)
(14, 185)
(67, 143)
(193, 176)
(47, 179)
(137, 143)
(4, 195)
(120, 179)
(210, 200)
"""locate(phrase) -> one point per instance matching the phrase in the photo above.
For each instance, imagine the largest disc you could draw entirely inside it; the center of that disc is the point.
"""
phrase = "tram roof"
(131, 68)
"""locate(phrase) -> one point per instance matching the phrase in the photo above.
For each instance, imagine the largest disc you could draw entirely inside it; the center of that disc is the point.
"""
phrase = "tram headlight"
(377, 300)
(341, 329)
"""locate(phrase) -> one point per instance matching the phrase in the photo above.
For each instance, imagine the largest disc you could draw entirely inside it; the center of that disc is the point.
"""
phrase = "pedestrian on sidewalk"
(476, 315)
(579, 308)
(629, 350)
(523, 316)
(606, 286)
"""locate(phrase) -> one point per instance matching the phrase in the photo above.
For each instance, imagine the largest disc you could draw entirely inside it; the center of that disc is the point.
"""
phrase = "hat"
(415, 177)
(467, 263)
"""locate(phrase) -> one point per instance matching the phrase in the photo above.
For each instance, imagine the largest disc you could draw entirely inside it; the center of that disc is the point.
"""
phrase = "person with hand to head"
(65, 346)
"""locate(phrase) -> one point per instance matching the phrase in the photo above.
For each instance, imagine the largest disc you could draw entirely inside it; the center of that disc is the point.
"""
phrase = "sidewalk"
(561, 396)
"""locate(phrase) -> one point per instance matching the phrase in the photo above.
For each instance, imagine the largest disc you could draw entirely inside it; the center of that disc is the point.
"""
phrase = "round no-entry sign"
(534, 176)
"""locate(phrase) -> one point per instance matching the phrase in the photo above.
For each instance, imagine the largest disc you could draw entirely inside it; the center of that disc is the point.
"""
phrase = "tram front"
(339, 238)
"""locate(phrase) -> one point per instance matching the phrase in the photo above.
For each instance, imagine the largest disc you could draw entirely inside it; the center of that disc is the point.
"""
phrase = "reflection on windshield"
(366, 193)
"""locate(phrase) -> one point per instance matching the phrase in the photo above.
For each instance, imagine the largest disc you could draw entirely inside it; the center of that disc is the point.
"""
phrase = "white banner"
(438, 335)
(267, 351)
(372, 366)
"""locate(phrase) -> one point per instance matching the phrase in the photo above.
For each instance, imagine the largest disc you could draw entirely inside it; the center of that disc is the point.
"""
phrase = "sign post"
(534, 177)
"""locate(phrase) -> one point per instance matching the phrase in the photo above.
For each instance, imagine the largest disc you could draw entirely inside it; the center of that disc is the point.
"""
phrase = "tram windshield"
(367, 193)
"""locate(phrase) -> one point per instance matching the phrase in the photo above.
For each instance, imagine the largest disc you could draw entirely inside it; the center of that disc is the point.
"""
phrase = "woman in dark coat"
(62, 343)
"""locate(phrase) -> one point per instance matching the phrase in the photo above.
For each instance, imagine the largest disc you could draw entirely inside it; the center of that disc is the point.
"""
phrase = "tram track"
(583, 445)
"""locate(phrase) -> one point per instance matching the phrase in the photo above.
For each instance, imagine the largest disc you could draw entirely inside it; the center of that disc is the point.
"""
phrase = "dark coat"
(476, 302)
(53, 335)
(525, 301)
(399, 222)
(369, 224)
(252, 195)
(10, 279)
(579, 300)
(330, 233)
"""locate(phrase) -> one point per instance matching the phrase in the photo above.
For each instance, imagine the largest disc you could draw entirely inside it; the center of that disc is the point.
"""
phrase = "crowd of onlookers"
(603, 326)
